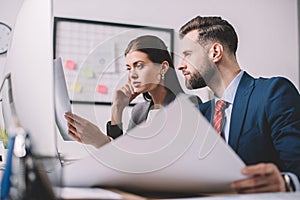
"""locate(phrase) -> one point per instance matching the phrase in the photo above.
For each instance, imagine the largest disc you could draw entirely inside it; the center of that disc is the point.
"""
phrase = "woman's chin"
(138, 90)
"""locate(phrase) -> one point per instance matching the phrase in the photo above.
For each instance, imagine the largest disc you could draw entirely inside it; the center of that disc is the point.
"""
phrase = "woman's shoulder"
(141, 106)
(194, 99)
(139, 113)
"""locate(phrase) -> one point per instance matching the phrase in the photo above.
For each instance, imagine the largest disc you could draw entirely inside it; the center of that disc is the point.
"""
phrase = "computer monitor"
(30, 65)
(29, 61)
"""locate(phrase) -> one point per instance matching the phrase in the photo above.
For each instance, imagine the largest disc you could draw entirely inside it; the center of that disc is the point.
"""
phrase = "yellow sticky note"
(76, 87)
(88, 73)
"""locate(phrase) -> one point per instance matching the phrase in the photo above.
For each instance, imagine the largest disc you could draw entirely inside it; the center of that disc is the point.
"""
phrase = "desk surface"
(124, 195)
(261, 196)
(132, 196)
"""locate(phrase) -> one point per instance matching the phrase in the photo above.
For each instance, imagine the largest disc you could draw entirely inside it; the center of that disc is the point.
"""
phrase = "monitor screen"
(30, 65)
(29, 61)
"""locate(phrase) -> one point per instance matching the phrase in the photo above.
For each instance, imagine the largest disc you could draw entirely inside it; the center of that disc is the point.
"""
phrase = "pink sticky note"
(70, 64)
(102, 89)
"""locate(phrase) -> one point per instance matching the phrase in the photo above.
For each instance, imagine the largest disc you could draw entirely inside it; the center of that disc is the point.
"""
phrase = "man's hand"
(263, 177)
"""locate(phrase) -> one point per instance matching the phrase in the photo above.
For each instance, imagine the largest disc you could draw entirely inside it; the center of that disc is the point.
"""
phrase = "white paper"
(85, 193)
(62, 100)
(256, 196)
(179, 151)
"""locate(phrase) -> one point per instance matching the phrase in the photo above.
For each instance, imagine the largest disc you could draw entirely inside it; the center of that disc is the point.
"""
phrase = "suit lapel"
(239, 109)
(207, 109)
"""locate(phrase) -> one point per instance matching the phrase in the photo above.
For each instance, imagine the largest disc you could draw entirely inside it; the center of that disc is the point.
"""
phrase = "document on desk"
(256, 196)
(178, 151)
(85, 193)
(61, 98)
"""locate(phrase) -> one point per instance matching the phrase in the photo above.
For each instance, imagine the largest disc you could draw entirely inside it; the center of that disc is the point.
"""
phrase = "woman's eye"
(128, 68)
(139, 66)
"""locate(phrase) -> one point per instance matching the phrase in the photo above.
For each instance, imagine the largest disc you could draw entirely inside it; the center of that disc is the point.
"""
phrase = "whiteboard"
(92, 54)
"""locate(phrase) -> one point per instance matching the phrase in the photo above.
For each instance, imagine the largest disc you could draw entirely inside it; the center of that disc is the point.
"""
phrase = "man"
(260, 117)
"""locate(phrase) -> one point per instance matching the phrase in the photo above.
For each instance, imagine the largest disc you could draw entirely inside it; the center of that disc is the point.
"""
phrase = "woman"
(150, 72)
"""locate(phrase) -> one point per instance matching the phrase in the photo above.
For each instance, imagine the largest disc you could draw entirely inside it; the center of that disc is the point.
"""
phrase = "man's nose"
(181, 65)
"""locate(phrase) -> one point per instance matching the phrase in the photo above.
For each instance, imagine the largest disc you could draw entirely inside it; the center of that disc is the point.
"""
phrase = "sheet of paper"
(61, 98)
(257, 196)
(85, 193)
(178, 151)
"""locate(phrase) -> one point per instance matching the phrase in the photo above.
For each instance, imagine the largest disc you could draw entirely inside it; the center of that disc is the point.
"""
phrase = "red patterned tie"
(219, 115)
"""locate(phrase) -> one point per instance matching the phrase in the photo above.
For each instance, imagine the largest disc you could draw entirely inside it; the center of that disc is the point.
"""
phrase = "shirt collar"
(230, 91)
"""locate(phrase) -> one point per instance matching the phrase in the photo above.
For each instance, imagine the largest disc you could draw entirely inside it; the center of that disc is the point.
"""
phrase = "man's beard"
(196, 81)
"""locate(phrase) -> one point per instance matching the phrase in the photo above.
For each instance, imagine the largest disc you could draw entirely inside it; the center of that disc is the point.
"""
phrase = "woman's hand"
(84, 131)
(122, 97)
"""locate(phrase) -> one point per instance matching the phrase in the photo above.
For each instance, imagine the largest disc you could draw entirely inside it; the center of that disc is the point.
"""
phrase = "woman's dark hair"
(157, 52)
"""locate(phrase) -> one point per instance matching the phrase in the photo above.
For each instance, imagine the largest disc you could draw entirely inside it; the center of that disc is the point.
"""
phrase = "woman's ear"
(164, 68)
(216, 52)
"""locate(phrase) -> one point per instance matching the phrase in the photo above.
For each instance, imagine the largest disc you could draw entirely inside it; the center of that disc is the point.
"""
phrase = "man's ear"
(165, 66)
(216, 52)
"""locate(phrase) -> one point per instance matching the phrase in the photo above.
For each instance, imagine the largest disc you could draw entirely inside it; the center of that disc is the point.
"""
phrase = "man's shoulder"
(269, 83)
(273, 91)
(266, 80)
(272, 80)
(276, 85)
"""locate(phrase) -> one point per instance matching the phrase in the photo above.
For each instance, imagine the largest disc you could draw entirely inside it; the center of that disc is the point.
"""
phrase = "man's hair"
(212, 29)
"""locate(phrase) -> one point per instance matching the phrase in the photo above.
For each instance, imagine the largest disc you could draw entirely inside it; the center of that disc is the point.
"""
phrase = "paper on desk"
(256, 196)
(61, 98)
(178, 151)
(85, 193)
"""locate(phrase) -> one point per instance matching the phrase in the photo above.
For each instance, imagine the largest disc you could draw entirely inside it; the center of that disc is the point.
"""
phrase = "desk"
(261, 196)
(133, 196)
(125, 195)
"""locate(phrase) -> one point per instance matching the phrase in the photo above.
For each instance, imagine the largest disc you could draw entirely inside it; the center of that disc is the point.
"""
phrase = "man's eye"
(187, 55)
(128, 68)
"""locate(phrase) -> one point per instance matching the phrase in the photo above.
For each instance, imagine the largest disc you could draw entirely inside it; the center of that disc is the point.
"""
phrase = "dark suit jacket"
(140, 112)
(265, 122)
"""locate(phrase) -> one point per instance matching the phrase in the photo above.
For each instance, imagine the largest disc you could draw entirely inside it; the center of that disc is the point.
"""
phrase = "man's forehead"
(192, 36)
(190, 40)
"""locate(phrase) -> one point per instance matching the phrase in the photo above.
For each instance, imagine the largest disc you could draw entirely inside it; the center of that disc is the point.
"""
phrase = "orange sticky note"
(70, 64)
(102, 89)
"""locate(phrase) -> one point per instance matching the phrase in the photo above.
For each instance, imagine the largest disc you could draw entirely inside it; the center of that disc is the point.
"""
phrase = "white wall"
(267, 29)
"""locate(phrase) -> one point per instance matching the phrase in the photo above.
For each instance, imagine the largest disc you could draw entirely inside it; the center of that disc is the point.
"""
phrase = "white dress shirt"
(228, 96)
